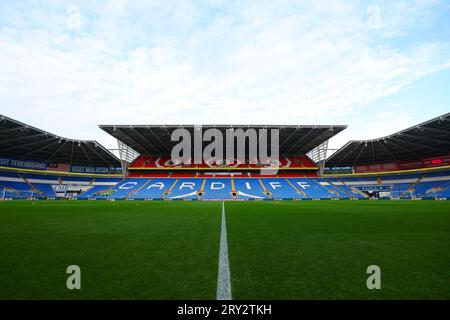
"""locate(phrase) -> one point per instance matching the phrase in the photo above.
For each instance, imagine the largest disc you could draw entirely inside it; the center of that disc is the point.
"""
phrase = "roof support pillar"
(126, 155)
(319, 155)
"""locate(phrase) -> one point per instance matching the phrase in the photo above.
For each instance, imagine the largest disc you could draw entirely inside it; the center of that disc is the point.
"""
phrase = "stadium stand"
(345, 189)
(153, 189)
(123, 189)
(154, 176)
(183, 189)
(217, 189)
(93, 192)
(165, 163)
(35, 164)
(278, 188)
(44, 190)
(425, 145)
(421, 185)
(25, 146)
(249, 189)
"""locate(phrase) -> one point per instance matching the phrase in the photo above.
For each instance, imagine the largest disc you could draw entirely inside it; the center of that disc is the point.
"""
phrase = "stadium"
(411, 164)
(143, 225)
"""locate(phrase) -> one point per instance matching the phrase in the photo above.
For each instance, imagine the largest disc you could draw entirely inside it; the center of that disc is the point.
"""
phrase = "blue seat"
(154, 189)
(312, 188)
(249, 188)
(280, 188)
(44, 190)
(122, 189)
(217, 189)
(93, 192)
(185, 188)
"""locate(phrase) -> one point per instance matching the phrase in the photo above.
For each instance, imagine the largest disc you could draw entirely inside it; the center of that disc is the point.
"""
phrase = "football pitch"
(276, 250)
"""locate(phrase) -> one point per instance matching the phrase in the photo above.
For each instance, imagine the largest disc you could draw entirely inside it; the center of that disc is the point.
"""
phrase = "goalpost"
(10, 194)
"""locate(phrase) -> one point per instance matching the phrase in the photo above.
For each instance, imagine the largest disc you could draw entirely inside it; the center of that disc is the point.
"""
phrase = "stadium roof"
(21, 141)
(155, 139)
(428, 139)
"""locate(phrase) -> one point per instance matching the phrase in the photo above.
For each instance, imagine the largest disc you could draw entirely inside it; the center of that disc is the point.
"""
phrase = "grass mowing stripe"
(125, 249)
(223, 279)
(321, 249)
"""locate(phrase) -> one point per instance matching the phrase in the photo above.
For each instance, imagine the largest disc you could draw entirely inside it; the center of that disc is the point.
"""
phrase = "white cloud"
(287, 63)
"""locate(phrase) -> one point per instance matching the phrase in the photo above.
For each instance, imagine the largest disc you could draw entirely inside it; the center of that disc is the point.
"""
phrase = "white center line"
(223, 279)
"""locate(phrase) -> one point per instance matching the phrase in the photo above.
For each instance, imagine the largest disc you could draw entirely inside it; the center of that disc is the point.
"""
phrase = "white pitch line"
(223, 279)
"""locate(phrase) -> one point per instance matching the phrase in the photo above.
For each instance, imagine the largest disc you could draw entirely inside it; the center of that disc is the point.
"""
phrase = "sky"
(376, 66)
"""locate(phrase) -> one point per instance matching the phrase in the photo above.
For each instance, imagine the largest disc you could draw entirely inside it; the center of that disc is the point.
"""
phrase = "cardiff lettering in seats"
(160, 185)
(128, 185)
(217, 185)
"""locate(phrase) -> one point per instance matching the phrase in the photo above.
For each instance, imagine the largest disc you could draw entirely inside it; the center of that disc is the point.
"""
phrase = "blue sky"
(377, 66)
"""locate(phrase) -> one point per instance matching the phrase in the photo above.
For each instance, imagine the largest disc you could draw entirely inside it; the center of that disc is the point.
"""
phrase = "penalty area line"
(223, 279)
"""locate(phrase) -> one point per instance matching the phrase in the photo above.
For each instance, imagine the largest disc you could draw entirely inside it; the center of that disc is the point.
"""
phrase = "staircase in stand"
(267, 192)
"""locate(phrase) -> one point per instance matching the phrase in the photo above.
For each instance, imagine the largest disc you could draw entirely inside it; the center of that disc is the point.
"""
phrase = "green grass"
(312, 250)
(277, 250)
(125, 250)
